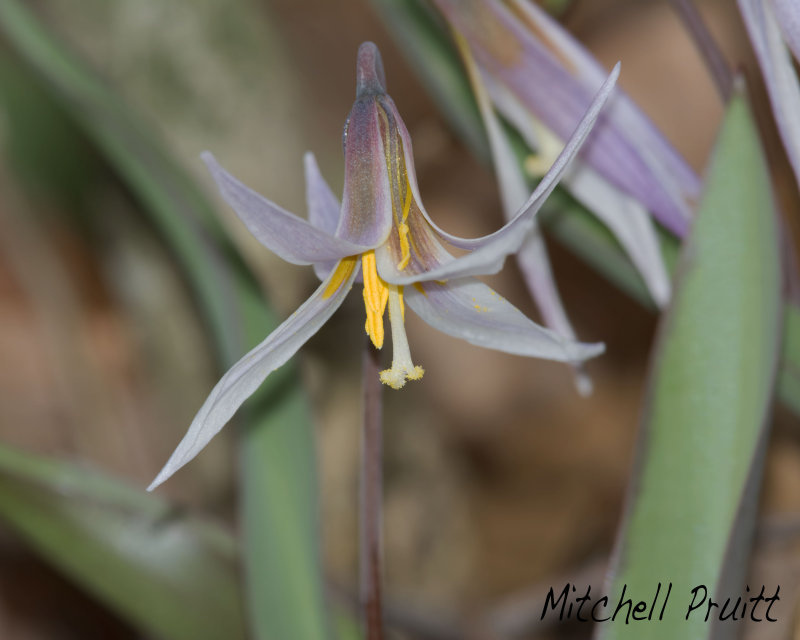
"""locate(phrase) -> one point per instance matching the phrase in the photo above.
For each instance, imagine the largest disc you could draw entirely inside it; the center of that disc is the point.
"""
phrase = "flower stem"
(371, 496)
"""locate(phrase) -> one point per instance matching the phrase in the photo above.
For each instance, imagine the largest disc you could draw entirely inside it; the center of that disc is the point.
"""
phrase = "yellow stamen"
(340, 274)
(407, 203)
(402, 229)
(405, 249)
(376, 294)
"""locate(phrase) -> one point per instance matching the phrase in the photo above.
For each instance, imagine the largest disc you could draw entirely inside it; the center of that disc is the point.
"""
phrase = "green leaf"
(172, 575)
(281, 555)
(691, 510)
(789, 377)
(281, 547)
(417, 29)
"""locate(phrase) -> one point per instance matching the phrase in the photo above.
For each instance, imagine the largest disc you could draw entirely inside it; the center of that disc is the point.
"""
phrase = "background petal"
(489, 252)
(323, 208)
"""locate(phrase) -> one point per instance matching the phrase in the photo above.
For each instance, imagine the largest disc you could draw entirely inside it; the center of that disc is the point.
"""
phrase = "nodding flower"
(382, 233)
(526, 67)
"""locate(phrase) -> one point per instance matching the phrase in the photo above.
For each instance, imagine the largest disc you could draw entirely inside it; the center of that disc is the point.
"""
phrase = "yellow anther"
(405, 249)
(407, 203)
(376, 294)
(341, 273)
(403, 230)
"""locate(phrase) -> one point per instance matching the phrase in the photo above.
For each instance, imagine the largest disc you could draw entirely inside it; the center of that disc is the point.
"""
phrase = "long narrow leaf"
(128, 548)
(691, 509)
(280, 515)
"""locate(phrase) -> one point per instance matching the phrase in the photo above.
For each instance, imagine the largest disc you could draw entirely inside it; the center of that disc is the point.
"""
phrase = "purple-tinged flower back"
(366, 202)
(553, 77)
(370, 77)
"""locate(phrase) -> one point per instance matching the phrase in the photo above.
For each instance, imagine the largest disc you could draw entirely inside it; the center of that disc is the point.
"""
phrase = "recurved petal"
(470, 310)
(527, 54)
(625, 216)
(292, 238)
(623, 111)
(246, 376)
(532, 257)
(779, 74)
(489, 252)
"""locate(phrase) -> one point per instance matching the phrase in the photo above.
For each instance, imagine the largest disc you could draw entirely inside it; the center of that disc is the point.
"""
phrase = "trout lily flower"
(774, 28)
(512, 48)
(382, 233)
(627, 168)
(520, 49)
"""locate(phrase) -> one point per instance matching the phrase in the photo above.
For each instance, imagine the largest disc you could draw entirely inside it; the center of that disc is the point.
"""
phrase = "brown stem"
(371, 494)
(705, 43)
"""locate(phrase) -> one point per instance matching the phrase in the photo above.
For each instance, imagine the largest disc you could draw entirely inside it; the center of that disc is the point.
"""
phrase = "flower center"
(377, 294)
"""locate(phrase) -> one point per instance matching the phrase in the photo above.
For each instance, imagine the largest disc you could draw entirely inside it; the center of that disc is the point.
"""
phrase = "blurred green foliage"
(691, 512)
(284, 586)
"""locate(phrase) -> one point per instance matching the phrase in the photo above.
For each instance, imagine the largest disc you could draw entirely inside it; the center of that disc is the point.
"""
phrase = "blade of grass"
(424, 39)
(691, 507)
(131, 550)
(285, 590)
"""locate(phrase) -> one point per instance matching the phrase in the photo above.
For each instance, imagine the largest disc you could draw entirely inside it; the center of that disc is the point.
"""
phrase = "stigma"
(402, 367)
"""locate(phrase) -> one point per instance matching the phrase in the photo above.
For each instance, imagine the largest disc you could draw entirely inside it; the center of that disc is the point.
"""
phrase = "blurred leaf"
(789, 377)
(423, 38)
(175, 577)
(48, 153)
(691, 511)
(280, 512)
(281, 543)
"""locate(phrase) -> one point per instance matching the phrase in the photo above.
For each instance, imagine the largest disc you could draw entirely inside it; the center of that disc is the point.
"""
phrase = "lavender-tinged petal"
(788, 15)
(370, 76)
(470, 310)
(323, 208)
(241, 381)
(779, 75)
(625, 216)
(536, 135)
(507, 50)
(489, 253)
(366, 202)
(532, 257)
(323, 205)
(292, 238)
(534, 263)
(622, 110)
(628, 221)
